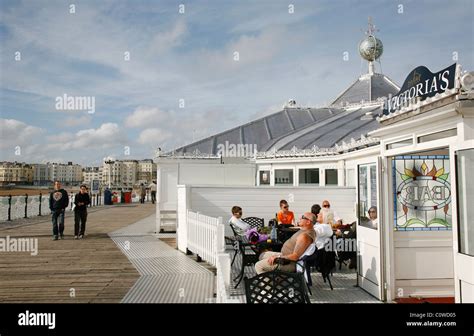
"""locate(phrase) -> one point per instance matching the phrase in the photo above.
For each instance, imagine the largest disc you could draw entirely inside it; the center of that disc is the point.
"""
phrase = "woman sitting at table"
(285, 216)
(236, 221)
(329, 218)
(371, 221)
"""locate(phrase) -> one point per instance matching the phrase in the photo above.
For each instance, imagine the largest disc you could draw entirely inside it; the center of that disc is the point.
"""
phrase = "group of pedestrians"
(143, 192)
(59, 201)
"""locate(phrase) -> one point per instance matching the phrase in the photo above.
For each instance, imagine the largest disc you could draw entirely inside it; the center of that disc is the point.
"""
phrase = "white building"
(69, 174)
(90, 174)
(15, 173)
(146, 171)
(128, 173)
(41, 175)
(409, 157)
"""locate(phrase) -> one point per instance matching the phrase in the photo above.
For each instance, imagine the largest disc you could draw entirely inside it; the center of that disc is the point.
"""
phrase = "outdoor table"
(259, 247)
(285, 232)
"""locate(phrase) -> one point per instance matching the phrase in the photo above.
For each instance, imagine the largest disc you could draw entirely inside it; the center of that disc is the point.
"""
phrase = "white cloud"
(144, 116)
(154, 136)
(106, 135)
(253, 50)
(60, 138)
(17, 133)
(75, 121)
(164, 41)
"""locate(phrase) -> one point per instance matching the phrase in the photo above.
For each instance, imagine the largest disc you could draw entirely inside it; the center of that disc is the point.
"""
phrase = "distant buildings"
(41, 175)
(146, 171)
(118, 173)
(128, 173)
(69, 174)
(46, 173)
(15, 173)
(90, 174)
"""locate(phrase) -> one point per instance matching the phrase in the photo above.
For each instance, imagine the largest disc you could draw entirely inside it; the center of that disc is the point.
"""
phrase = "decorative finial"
(371, 28)
(371, 48)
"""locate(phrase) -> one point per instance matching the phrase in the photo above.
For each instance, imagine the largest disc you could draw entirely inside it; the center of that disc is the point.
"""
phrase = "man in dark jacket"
(82, 200)
(58, 202)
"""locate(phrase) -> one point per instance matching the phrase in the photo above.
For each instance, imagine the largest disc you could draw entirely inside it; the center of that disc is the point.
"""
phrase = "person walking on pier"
(58, 202)
(153, 192)
(82, 200)
(142, 193)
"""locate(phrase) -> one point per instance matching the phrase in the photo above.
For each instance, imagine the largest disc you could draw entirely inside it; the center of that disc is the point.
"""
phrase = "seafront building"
(15, 173)
(406, 149)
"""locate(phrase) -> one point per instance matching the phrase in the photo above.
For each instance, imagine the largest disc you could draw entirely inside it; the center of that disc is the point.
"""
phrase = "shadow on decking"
(344, 282)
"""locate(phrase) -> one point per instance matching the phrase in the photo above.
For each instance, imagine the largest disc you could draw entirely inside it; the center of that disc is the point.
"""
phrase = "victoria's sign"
(422, 83)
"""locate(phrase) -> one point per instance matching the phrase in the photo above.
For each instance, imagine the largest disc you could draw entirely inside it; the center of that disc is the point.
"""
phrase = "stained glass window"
(422, 193)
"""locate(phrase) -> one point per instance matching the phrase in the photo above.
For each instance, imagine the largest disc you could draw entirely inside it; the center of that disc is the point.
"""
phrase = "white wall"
(167, 180)
(264, 201)
(424, 263)
(205, 173)
(217, 174)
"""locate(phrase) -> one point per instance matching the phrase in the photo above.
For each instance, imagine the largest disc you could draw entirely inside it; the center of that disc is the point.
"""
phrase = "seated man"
(293, 248)
(236, 221)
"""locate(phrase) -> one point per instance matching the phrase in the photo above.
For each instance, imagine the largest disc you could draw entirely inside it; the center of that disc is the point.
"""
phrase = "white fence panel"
(205, 236)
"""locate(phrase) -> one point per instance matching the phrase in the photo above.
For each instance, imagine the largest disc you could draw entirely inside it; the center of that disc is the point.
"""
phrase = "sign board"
(95, 186)
(421, 83)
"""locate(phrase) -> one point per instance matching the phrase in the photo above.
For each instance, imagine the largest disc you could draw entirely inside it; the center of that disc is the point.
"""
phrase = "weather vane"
(371, 27)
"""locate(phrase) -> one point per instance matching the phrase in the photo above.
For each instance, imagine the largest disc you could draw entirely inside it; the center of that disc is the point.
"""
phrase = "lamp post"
(110, 162)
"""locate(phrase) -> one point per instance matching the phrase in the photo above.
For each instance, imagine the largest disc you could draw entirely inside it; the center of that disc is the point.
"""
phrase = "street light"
(110, 162)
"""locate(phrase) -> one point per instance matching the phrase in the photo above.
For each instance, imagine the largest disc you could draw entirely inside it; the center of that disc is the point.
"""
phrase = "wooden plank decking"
(93, 269)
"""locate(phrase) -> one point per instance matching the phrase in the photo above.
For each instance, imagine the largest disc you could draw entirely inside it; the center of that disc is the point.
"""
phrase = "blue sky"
(189, 56)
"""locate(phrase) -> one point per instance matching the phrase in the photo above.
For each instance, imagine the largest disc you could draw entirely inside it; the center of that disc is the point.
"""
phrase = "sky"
(164, 75)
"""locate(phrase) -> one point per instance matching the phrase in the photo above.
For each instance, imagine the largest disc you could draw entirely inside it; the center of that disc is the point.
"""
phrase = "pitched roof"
(304, 128)
(368, 87)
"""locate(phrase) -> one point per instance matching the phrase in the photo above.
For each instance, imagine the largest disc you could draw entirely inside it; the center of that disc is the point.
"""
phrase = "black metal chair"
(254, 222)
(347, 239)
(324, 261)
(249, 258)
(232, 242)
(276, 287)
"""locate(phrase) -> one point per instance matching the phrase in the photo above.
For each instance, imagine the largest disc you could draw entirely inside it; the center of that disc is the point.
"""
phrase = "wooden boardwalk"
(92, 270)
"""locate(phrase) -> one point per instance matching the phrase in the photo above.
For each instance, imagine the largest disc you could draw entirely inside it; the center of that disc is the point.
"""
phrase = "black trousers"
(80, 218)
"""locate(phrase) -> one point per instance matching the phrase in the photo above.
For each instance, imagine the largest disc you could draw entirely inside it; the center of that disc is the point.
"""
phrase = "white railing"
(205, 236)
(16, 207)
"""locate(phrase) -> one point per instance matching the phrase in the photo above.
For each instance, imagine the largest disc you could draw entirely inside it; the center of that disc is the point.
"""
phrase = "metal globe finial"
(370, 48)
